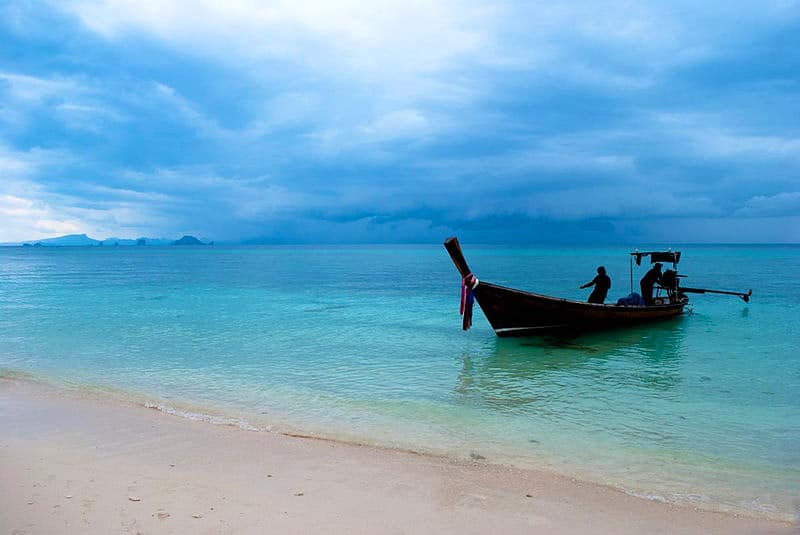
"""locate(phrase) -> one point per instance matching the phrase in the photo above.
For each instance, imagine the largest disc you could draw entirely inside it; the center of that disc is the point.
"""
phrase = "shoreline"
(72, 461)
(204, 411)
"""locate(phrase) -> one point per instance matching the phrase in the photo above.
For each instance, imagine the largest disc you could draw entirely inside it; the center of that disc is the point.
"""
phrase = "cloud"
(782, 204)
(66, 101)
(24, 212)
(707, 135)
(360, 38)
(26, 219)
(24, 88)
(33, 204)
(388, 119)
(367, 73)
(785, 229)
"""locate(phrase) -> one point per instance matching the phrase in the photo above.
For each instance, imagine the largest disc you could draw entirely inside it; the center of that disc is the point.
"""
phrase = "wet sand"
(79, 464)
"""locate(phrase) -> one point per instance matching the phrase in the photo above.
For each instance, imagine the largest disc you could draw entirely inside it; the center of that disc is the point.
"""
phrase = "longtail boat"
(514, 312)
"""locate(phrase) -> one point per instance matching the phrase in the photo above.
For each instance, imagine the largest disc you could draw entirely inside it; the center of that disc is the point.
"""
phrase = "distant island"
(188, 240)
(82, 240)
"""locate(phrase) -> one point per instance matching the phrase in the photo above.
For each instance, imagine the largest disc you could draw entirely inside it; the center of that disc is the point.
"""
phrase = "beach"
(81, 463)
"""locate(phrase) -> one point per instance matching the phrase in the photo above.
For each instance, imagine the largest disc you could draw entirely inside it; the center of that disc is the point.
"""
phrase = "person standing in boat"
(648, 281)
(601, 283)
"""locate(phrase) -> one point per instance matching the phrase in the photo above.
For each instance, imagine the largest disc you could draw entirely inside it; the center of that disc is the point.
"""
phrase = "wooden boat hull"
(516, 313)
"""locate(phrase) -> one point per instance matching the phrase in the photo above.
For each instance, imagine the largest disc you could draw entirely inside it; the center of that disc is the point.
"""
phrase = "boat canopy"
(672, 257)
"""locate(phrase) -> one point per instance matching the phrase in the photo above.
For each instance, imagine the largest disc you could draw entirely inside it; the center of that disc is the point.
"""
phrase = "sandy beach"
(75, 464)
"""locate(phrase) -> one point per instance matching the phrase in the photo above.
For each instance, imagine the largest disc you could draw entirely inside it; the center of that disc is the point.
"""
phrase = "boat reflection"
(515, 373)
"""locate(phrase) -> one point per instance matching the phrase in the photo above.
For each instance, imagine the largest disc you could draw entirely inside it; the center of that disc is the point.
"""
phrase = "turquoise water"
(364, 344)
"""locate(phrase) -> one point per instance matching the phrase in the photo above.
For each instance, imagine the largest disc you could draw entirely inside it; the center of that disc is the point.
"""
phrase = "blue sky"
(401, 121)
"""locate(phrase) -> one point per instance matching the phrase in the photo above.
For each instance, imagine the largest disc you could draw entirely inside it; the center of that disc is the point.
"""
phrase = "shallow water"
(364, 343)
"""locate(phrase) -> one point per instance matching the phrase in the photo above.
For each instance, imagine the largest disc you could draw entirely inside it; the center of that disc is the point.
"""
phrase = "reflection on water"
(516, 372)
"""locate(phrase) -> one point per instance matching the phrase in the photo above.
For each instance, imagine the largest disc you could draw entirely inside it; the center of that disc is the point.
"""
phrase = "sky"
(403, 121)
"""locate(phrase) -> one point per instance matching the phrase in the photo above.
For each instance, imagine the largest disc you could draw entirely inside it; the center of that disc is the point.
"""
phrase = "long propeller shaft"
(744, 296)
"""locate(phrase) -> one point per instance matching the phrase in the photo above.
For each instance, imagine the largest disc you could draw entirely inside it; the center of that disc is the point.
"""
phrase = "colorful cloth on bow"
(468, 284)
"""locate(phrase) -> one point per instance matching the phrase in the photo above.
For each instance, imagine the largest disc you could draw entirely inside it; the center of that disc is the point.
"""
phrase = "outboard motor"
(669, 281)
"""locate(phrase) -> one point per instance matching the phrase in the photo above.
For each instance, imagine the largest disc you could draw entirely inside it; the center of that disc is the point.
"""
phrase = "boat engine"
(669, 281)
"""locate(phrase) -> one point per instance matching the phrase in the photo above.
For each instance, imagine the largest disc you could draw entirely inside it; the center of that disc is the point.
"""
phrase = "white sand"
(76, 465)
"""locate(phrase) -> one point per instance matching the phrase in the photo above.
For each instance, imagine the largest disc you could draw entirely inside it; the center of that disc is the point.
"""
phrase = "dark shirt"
(651, 277)
(646, 284)
(601, 285)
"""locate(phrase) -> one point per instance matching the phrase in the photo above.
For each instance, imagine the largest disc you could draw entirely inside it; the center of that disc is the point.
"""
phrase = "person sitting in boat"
(648, 281)
(601, 283)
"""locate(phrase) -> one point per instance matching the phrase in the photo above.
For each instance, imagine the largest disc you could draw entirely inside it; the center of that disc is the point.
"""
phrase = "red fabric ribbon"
(468, 283)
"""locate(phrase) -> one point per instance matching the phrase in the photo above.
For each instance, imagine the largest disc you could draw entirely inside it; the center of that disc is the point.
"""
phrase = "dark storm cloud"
(396, 121)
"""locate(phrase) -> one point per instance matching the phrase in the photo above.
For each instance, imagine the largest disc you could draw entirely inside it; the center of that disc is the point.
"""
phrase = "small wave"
(679, 498)
(202, 417)
(18, 375)
(758, 506)
(754, 508)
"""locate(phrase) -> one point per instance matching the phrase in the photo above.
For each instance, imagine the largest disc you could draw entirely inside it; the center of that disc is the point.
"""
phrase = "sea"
(364, 344)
